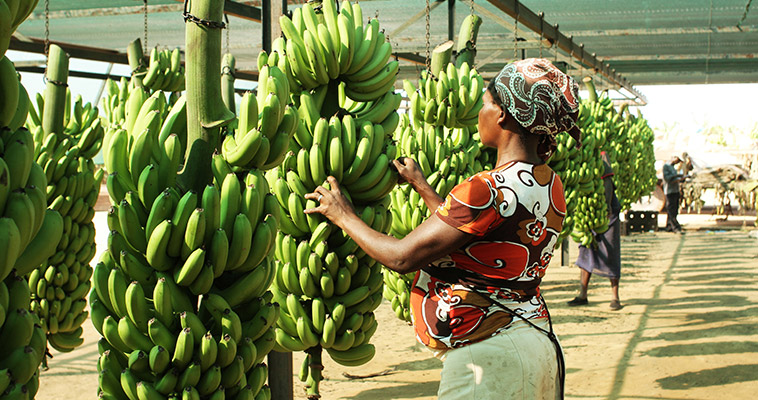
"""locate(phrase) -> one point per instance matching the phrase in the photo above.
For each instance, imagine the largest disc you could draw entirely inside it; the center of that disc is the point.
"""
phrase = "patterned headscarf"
(541, 98)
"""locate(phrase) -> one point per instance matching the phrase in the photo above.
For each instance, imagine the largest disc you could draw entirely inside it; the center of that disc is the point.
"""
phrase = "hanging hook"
(515, 31)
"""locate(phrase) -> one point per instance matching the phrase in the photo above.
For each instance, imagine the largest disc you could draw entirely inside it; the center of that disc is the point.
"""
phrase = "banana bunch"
(29, 233)
(446, 157)
(324, 46)
(327, 290)
(79, 120)
(113, 101)
(14, 102)
(265, 125)
(12, 14)
(453, 99)
(59, 286)
(630, 150)
(165, 71)
(23, 338)
(566, 161)
(180, 296)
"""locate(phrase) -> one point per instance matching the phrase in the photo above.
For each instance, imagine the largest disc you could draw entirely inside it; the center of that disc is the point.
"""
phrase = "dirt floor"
(687, 329)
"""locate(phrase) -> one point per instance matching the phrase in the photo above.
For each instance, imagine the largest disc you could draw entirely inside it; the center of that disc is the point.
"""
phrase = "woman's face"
(490, 117)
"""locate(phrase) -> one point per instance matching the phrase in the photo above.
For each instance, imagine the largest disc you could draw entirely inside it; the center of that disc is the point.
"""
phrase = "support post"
(280, 375)
(271, 11)
(450, 19)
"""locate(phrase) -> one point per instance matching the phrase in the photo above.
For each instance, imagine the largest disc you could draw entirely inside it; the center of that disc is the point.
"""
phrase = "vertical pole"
(565, 252)
(271, 10)
(279, 364)
(450, 19)
(280, 375)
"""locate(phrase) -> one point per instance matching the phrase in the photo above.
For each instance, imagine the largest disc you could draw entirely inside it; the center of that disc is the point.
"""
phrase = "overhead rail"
(34, 45)
(528, 18)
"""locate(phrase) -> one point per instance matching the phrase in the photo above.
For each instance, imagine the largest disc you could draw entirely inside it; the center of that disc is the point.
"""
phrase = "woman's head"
(540, 98)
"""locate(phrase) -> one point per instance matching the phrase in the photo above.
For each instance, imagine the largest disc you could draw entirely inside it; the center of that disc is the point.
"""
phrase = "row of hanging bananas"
(581, 171)
(327, 46)
(452, 99)
(164, 72)
(180, 295)
(12, 14)
(265, 124)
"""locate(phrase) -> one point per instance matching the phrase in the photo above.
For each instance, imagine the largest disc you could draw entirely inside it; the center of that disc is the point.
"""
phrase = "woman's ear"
(502, 118)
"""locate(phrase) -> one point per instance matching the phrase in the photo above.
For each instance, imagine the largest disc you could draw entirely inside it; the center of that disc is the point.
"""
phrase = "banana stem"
(441, 57)
(227, 80)
(591, 88)
(136, 63)
(55, 91)
(466, 47)
(206, 112)
(314, 373)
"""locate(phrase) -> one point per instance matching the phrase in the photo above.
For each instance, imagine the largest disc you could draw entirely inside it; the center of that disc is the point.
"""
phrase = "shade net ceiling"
(649, 42)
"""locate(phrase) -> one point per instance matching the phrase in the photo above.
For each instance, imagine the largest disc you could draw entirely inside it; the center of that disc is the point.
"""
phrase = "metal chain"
(47, 27)
(144, 11)
(542, 18)
(471, 8)
(515, 39)
(226, 18)
(428, 40)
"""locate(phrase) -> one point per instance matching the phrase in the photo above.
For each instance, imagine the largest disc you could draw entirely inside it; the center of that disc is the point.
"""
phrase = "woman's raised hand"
(332, 203)
(409, 171)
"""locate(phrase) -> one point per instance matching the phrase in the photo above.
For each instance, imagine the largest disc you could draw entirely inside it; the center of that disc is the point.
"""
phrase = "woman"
(479, 258)
(605, 259)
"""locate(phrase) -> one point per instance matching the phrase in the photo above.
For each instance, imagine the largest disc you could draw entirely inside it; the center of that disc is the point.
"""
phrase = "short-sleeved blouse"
(515, 213)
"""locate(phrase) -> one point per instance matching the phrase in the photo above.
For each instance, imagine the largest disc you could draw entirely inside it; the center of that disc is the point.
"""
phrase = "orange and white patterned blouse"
(515, 212)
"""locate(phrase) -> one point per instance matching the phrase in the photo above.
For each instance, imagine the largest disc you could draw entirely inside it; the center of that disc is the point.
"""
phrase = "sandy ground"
(687, 330)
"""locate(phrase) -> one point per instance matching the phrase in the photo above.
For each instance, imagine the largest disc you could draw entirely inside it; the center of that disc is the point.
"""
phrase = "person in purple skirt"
(604, 259)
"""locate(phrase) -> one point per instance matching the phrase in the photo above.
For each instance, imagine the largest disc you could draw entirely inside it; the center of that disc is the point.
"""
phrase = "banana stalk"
(136, 61)
(441, 57)
(206, 112)
(465, 49)
(227, 80)
(55, 94)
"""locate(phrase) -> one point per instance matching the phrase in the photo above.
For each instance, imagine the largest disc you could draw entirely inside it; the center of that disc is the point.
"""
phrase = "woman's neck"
(514, 147)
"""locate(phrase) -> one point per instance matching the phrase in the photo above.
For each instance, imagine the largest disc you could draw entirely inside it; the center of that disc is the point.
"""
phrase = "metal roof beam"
(108, 11)
(527, 18)
(241, 10)
(34, 45)
(664, 31)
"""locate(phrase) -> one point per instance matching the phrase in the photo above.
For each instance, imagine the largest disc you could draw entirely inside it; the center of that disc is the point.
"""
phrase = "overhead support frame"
(529, 19)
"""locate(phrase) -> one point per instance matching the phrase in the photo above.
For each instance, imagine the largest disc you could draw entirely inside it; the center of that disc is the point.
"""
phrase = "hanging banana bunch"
(265, 125)
(451, 99)
(12, 14)
(164, 71)
(343, 91)
(180, 297)
(29, 231)
(59, 286)
(440, 133)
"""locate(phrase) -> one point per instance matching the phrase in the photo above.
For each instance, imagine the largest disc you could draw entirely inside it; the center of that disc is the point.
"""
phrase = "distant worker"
(605, 259)
(671, 181)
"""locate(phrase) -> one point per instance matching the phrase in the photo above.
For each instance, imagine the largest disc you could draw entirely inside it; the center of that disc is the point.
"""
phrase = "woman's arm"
(431, 240)
(410, 172)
